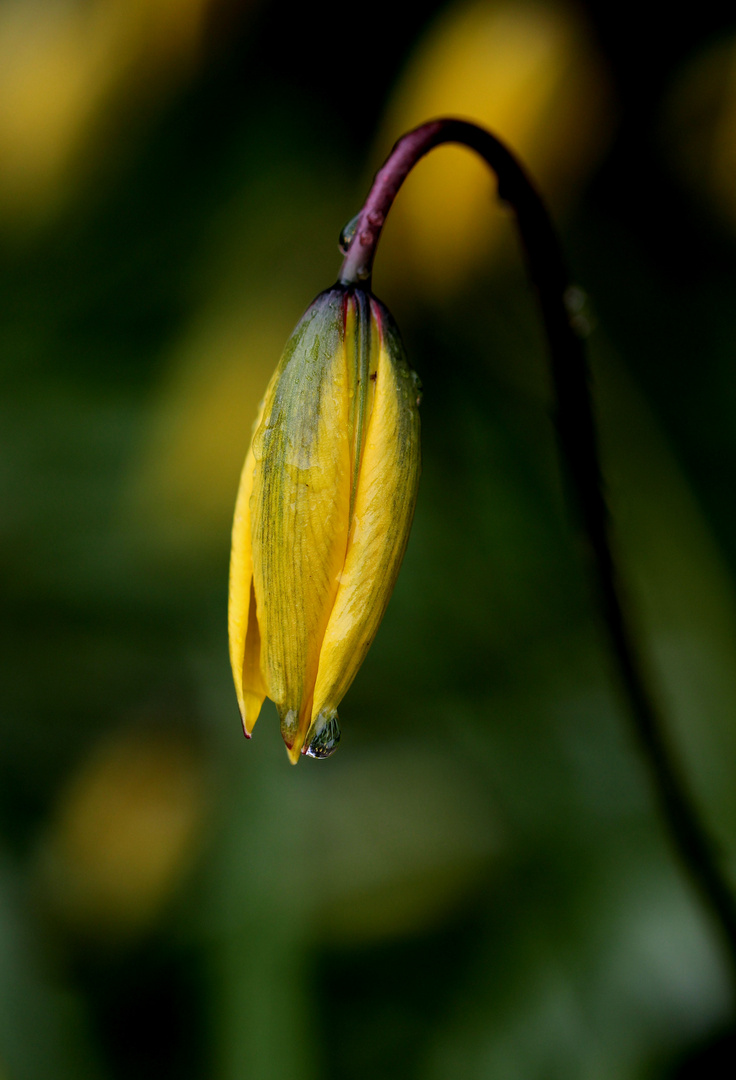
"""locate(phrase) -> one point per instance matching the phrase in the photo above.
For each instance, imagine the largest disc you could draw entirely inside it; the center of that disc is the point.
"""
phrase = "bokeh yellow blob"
(123, 832)
(700, 127)
(528, 72)
(183, 485)
(66, 65)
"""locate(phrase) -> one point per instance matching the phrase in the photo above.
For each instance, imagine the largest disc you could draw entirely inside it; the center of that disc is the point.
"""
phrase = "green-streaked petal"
(300, 508)
(242, 622)
(384, 503)
(361, 354)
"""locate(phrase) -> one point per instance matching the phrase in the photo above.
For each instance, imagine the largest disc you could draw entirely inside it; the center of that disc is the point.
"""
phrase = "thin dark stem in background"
(579, 449)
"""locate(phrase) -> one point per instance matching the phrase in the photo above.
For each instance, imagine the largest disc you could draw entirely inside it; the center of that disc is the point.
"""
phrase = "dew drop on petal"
(324, 742)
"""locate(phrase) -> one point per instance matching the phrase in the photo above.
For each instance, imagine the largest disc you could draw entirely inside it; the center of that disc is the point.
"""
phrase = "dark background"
(478, 884)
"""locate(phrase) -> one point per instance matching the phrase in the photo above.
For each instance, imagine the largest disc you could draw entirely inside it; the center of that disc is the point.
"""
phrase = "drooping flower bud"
(323, 514)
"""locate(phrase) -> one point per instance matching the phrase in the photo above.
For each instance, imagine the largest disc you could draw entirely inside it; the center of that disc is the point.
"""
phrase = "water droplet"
(327, 736)
(579, 311)
(582, 325)
(348, 233)
(575, 299)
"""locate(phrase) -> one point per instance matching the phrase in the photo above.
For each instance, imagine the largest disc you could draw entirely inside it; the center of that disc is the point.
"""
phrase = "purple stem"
(577, 438)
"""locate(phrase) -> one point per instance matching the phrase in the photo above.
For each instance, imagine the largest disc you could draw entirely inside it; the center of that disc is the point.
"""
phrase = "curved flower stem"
(579, 450)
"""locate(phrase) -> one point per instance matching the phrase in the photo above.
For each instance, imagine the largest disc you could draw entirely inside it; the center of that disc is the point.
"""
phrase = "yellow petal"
(361, 355)
(300, 508)
(242, 623)
(383, 510)
(254, 686)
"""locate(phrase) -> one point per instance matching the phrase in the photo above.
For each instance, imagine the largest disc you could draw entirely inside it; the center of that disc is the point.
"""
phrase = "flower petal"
(242, 622)
(254, 686)
(383, 510)
(300, 508)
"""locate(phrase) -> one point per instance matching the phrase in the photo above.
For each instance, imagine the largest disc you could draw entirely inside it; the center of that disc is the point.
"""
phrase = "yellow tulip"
(322, 518)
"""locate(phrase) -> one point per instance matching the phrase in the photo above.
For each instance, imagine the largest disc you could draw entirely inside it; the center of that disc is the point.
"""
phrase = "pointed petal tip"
(246, 734)
(251, 710)
(294, 753)
(293, 733)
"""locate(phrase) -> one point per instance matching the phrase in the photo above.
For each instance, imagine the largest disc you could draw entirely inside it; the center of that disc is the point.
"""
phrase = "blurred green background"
(477, 885)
